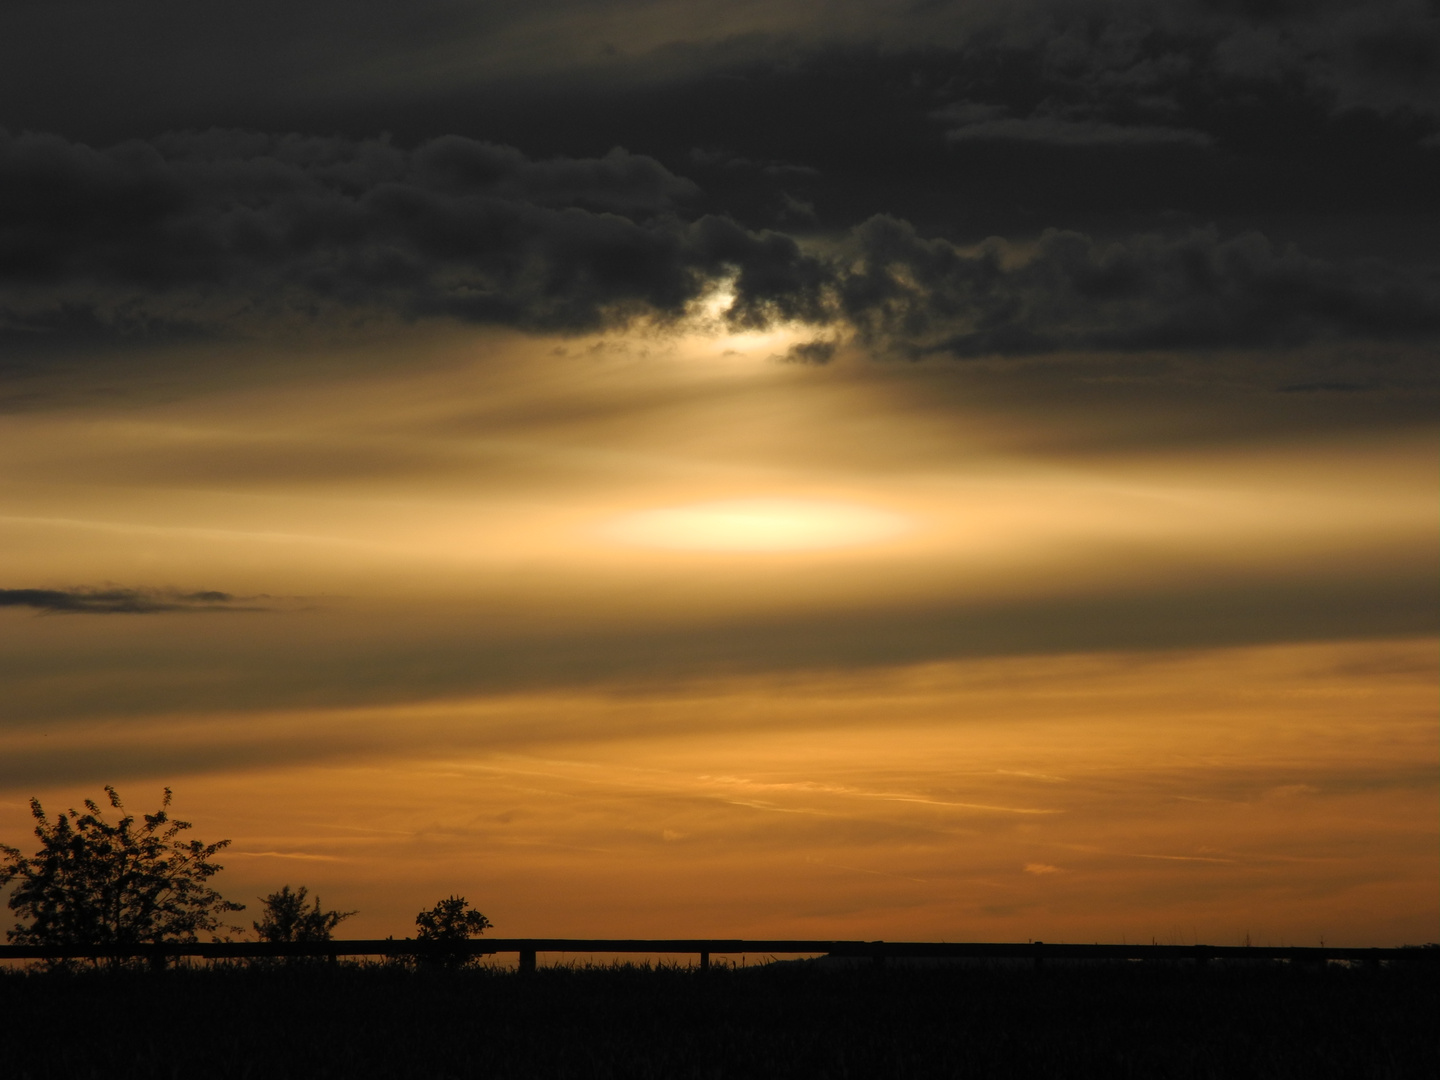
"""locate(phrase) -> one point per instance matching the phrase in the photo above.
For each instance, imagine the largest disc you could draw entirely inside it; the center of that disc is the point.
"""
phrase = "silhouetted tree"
(97, 883)
(287, 918)
(448, 922)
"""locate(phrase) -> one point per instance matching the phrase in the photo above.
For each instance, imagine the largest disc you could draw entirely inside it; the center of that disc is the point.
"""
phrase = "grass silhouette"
(797, 1019)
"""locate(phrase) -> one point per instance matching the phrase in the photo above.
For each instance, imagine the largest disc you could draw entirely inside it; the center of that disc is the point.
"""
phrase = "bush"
(449, 923)
(128, 883)
(286, 917)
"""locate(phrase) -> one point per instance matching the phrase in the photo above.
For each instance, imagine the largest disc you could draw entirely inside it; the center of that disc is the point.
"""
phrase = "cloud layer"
(227, 233)
(214, 231)
(1194, 290)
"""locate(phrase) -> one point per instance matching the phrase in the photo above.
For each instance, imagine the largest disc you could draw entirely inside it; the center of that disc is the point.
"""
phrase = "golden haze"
(1156, 684)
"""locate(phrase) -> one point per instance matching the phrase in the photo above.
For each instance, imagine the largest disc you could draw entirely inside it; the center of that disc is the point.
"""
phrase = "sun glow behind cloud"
(756, 525)
(709, 331)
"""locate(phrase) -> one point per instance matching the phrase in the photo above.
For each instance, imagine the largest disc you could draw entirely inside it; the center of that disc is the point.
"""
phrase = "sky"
(824, 468)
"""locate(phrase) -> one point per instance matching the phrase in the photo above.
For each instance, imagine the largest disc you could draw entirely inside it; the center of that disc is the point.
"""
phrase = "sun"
(711, 332)
(756, 525)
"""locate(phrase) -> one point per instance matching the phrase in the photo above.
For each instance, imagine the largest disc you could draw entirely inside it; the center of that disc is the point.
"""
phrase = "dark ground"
(790, 1020)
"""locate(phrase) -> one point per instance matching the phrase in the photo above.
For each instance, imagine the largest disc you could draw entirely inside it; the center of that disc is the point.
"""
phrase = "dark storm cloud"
(224, 233)
(1147, 292)
(213, 231)
(1153, 59)
(113, 601)
(1182, 174)
(790, 82)
(164, 56)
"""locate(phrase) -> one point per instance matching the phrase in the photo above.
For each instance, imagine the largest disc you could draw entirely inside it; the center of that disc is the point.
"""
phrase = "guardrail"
(878, 952)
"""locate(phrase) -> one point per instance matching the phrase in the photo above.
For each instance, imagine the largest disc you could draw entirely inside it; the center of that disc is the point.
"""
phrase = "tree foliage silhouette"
(287, 918)
(127, 883)
(449, 923)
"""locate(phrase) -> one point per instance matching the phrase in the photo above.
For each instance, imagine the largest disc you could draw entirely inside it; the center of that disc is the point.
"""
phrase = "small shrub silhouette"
(450, 922)
(287, 918)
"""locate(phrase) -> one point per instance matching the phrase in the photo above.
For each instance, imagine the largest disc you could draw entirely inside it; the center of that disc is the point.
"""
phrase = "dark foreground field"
(790, 1020)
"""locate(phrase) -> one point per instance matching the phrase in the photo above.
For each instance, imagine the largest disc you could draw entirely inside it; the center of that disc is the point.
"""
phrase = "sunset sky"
(820, 468)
